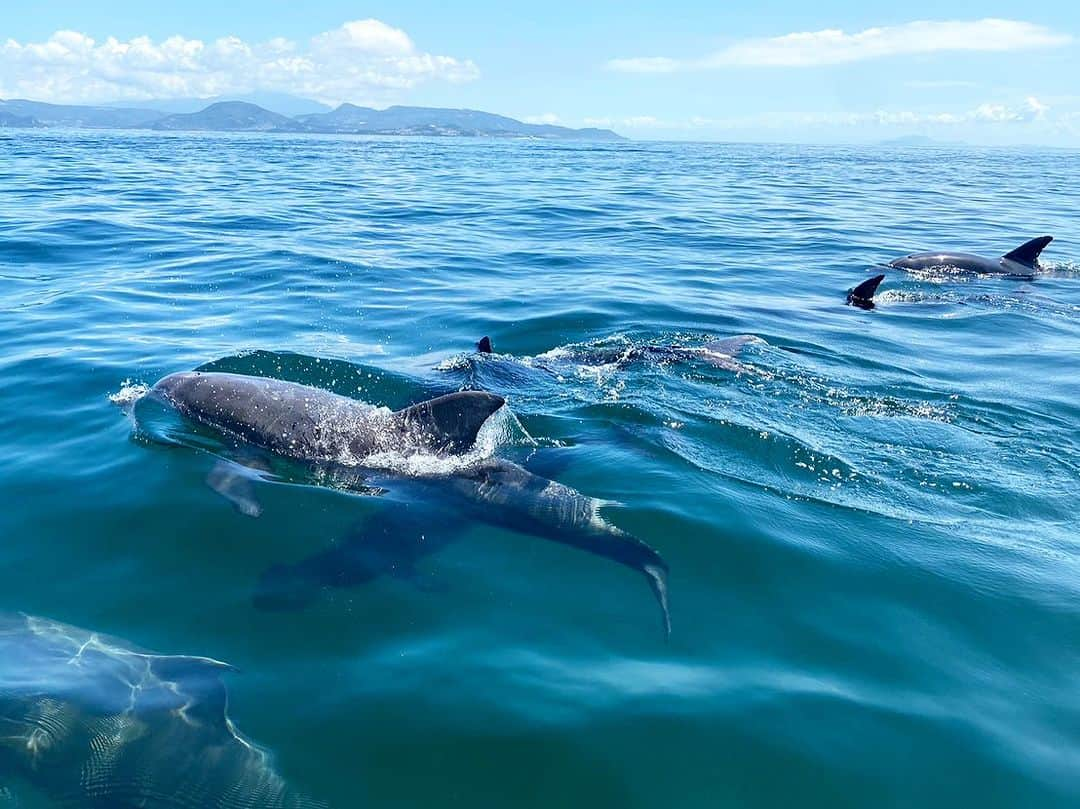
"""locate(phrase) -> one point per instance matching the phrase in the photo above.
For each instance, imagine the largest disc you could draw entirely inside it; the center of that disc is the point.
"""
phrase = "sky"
(829, 71)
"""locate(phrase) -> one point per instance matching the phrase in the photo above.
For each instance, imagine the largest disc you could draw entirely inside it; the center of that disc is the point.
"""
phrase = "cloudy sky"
(832, 70)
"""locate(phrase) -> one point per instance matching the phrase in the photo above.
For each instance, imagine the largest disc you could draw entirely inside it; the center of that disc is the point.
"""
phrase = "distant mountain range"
(243, 116)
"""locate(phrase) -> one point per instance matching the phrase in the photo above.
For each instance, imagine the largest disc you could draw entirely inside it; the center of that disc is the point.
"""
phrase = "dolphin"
(91, 721)
(313, 424)
(1021, 262)
(719, 353)
(339, 440)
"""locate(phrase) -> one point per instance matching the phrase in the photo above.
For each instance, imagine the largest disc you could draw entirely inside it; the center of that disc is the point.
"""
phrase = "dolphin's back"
(961, 261)
(313, 424)
(1021, 261)
(284, 417)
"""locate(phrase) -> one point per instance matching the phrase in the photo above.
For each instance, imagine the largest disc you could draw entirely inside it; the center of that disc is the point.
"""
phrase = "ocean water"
(870, 517)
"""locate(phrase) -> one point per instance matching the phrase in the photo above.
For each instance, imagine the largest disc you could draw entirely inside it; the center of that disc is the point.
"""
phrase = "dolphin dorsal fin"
(451, 422)
(865, 291)
(1028, 253)
(484, 345)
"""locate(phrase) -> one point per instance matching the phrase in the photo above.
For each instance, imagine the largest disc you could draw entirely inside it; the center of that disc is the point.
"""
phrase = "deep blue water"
(870, 517)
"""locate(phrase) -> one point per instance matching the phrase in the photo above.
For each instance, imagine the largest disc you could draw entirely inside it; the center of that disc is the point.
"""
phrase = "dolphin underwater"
(336, 437)
(91, 721)
(1021, 262)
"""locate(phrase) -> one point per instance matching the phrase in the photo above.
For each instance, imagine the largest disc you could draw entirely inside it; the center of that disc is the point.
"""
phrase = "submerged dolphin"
(1021, 262)
(91, 721)
(336, 436)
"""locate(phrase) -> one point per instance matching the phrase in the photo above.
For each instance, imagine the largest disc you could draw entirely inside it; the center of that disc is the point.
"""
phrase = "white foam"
(500, 430)
(130, 392)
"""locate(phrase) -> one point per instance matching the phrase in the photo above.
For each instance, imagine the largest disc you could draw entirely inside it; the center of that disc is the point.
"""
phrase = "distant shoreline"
(242, 116)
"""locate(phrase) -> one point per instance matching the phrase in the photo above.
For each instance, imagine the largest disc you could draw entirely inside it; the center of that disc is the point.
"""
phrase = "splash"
(130, 392)
(501, 430)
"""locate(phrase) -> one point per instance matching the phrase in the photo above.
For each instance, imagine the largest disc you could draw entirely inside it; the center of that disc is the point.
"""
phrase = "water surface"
(870, 521)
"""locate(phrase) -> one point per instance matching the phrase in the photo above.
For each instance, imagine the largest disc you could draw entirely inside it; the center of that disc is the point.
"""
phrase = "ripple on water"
(869, 516)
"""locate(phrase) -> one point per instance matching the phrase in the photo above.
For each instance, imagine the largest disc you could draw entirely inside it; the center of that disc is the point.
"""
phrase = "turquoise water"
(869, 516)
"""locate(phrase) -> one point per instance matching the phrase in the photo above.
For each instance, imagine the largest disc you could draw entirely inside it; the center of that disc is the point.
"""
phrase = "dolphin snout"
(173, 385)
(173, 381)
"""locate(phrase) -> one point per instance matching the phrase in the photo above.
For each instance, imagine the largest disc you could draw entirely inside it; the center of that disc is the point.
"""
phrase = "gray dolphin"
(91, 721)
(313, 424)
(335, 436)
(721, 353)
(1021, 262)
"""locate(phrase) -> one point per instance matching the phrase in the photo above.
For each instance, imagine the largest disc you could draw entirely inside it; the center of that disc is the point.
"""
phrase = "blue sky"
(832, 70)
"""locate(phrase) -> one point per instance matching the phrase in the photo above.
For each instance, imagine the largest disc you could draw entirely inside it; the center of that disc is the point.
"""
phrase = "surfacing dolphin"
(337, 438)
(719, 353)
(1021, 262)
(91, 721)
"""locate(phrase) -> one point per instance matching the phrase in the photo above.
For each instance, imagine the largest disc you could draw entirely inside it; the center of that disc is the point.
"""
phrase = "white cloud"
(1032, 109)
(1036, 109)
(989, 113)
(360, 61)
(834, 46)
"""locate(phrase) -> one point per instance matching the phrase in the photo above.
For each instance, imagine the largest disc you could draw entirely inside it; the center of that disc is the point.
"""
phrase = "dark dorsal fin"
(1028, 253)
(865, 291)
(484, 346)
(450, 422)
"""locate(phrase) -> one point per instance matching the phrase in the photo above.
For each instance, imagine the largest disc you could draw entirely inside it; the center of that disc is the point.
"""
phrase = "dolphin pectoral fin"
(863, 295)
(451, 422)
(1028, 253)
(235, 484)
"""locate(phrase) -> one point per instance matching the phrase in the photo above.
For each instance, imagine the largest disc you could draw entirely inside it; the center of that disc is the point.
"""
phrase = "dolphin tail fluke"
(451, 422)
(657, 577)
(1028, 253)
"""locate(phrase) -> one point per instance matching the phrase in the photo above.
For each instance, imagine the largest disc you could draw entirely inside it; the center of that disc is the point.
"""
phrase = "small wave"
(459, 362)
(1065, 269)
